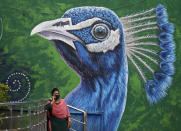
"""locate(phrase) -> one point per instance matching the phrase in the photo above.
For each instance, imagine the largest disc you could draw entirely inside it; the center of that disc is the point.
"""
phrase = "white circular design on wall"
(19, 85)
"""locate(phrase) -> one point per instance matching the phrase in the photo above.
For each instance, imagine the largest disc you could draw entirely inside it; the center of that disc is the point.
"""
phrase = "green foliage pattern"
(4, 97)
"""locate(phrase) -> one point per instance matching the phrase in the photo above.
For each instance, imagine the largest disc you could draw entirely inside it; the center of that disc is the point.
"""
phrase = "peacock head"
(90, 39)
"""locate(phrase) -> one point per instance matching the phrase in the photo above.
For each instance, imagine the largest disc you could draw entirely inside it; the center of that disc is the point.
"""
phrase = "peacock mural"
(97, 45)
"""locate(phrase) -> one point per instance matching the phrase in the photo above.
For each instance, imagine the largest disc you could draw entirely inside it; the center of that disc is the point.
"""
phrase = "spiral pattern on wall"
(19, 85)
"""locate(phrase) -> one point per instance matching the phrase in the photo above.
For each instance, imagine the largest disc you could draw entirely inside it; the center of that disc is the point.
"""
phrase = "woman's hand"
(53, 99)
(69, 122)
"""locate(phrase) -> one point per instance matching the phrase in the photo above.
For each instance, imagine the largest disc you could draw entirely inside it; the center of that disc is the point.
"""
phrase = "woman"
(58, 113)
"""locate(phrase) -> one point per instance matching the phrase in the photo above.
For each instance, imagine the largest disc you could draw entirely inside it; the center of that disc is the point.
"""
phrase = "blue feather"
(167, 68)
(156, 89)
(163, 80)
(165, 37)
(168, 27)
(167, 55)
(167, 45)
(159, 8)
(153, 92)
(161, 15)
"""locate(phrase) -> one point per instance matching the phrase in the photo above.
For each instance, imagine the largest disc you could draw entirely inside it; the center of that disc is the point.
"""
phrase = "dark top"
(55, 123)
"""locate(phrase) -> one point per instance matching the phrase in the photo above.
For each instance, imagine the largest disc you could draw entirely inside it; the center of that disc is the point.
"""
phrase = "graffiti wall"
(121, 58)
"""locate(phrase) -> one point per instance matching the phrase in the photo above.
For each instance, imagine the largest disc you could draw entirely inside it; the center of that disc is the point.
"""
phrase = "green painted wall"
(38, 59)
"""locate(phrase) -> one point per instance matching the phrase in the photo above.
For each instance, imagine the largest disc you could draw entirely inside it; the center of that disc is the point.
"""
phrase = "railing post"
(85, 120)
(38, 114)
(21, 110)
(29, 114)
(34, 118)
(21, 114)
(11, 119)
(43, 118)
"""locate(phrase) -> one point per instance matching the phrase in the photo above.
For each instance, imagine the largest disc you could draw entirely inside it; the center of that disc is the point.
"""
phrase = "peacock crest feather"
(151, 49)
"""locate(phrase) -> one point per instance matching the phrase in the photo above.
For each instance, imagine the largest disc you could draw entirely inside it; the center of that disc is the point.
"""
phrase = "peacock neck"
(106, 89)
(103, 93)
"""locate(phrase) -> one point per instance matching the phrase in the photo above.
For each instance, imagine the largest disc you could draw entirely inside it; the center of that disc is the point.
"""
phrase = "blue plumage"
(83, 13)
(156, 89)
(93, 44)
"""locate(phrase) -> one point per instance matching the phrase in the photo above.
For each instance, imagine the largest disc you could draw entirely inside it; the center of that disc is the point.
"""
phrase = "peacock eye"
(100, 31)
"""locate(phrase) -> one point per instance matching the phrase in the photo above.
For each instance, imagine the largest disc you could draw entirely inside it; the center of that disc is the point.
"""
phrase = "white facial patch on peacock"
(109, 44)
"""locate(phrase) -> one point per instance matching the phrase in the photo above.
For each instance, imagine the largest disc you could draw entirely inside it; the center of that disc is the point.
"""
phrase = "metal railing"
(30, 115)
(18, 116)
(78, 121)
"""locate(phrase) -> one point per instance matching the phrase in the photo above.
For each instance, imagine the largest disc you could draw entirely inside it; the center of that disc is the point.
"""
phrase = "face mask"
(57, 97)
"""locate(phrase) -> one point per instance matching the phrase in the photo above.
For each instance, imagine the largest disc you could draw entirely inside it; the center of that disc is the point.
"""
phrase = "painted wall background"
(39, 61)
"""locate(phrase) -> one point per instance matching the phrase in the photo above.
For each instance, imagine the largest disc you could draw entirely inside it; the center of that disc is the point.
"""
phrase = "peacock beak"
(57, 30)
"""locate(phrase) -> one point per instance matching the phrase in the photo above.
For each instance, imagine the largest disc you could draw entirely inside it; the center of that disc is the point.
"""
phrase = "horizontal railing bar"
(22, 103)
(72, 129)
(7, 117)
(24, 111)
(16, 129)
(89, 113)
(21, 116)
(75, 108)
(77, 121)
(40, 123)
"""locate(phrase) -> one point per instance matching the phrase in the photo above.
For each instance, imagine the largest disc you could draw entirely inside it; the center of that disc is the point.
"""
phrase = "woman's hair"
(54, 89)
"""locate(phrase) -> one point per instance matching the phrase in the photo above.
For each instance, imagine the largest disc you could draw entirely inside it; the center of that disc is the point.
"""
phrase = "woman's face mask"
(57, 97)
